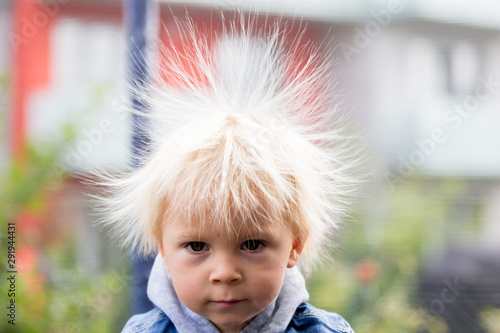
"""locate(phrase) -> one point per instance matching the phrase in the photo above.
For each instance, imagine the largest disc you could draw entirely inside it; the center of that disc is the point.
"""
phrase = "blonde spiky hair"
(247, 126)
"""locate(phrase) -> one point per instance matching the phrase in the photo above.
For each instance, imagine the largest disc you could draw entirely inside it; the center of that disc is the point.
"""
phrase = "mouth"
(227, 304)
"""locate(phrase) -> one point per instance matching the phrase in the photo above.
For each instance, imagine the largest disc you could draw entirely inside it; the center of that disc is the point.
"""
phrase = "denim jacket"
(289, 312)
(307, 318)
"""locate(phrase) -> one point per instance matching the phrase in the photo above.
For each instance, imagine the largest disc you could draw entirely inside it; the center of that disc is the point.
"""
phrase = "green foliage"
(373, 280)
(58, 295)
(75, 300)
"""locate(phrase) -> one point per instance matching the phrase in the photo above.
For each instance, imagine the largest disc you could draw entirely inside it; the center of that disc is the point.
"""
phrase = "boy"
(251, 177)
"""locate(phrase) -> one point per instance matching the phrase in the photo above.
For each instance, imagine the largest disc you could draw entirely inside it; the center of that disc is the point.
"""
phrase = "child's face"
(225, 277)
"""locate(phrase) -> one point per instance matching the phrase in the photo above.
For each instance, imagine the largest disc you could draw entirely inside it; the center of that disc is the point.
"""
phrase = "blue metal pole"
(136, 14)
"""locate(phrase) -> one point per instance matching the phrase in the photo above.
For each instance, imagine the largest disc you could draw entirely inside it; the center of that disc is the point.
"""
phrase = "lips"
(227, 304)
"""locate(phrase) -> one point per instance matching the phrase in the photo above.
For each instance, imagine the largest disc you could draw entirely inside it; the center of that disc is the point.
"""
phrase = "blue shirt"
(307, 318)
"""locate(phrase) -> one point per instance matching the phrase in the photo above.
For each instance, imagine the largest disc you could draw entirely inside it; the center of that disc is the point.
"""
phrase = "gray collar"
(275, 318)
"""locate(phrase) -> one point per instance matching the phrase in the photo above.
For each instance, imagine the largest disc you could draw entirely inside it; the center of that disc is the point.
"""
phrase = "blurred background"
(421, 80)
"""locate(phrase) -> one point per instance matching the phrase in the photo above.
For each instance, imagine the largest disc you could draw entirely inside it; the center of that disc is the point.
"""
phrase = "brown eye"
(197, 246)
(251, 245)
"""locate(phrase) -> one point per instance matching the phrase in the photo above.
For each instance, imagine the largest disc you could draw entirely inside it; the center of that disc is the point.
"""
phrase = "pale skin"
(227, 277)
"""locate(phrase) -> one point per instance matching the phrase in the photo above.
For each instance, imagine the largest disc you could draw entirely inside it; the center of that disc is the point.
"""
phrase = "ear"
(160, 246)
(297, 247)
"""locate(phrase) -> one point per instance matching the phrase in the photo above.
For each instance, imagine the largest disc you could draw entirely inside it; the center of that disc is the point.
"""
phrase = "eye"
(251, 245)
(197, 246)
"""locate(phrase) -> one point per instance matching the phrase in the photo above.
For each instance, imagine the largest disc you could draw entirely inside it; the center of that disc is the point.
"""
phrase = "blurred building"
(64, 63)
(422, 78)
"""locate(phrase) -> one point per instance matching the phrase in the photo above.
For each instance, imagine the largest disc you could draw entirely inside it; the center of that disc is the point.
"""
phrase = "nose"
(226, 271)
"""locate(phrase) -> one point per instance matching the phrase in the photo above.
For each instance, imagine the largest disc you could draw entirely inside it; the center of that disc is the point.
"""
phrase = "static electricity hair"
(244, 124)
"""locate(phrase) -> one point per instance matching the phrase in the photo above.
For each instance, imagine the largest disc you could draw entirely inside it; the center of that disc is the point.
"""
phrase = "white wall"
(88, 66)
(417, 121)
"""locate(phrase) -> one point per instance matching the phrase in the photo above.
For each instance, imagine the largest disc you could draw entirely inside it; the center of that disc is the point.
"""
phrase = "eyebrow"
(190, 234)
(247, 234)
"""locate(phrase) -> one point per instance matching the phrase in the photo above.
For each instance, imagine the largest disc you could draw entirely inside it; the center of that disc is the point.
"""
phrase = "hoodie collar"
(275, 318)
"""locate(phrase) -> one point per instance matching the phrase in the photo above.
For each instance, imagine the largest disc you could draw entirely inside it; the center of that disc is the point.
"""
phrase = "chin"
(230, 323)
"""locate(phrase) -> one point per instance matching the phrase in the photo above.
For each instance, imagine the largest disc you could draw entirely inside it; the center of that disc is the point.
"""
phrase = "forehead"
(237, 226)
(196, 231)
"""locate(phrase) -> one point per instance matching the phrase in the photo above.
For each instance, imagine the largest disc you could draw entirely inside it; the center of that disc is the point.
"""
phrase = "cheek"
(266, 285)
(185, 288)
(267, 279)
(188, 283)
